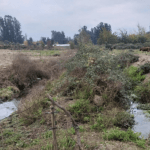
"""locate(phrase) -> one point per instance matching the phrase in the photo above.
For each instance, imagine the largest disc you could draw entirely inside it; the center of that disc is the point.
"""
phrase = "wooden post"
(53, 127)
(73, 122)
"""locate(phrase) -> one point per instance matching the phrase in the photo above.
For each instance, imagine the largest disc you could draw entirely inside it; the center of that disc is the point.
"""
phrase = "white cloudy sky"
(39, 17)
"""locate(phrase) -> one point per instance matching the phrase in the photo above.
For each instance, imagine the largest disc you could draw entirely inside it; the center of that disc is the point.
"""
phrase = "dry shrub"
(30, 108)
(5, 78)
(54, 67)
(25, 71)
(108, 90)
(78, 72)
(69, 53)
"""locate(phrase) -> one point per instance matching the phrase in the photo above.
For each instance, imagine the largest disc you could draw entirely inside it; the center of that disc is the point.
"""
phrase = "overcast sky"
(39, 17)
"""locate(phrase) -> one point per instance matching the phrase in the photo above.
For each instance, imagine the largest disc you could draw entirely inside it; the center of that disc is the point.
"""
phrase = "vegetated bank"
(101, 85)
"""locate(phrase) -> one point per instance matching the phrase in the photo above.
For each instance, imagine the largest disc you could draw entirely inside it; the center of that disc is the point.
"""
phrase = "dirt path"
(142, 60)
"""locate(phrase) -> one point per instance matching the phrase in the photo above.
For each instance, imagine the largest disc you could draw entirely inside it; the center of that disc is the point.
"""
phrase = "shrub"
(32, 106)
(143, 92)
(102, 122)
(134, 75)
(93, 64)
(125, 59)
(128, 136)
(99, 123)
(81, 109)
(146, 44)
(145, 68)
(71, 45)
(124, 120)
(25, 72)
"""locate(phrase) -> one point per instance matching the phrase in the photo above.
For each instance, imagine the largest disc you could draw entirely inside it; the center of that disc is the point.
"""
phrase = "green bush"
(128, 46)
(99, 123)
(146, 44)
(124, 120)
(81, 109)
(71, 45)
(134, 75)
(144, 106)
(143, 92)
(127, 136)
(125, 59)
(95, 63)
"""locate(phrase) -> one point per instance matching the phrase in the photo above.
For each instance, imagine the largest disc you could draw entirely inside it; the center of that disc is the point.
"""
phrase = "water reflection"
(142, 122)
(7, 108)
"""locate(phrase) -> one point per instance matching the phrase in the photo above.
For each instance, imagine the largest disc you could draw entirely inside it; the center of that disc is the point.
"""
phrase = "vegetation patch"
(129, 135)
(134, 74)
(81, 110)
(144, 106)
(7, 93)
(145, 68)
(143, 92)
(124, 120)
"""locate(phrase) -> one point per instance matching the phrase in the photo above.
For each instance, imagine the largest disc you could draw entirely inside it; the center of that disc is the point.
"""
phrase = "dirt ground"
(142, 60)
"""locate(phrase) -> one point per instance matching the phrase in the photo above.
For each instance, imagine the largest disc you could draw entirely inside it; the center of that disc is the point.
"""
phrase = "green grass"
(6, 92)
(42, 52)
(134, 74)
(126, 136)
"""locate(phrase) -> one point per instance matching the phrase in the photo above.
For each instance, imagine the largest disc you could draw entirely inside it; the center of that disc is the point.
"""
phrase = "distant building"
(62, 45)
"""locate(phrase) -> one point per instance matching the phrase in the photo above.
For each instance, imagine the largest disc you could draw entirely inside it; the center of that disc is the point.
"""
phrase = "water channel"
(7, 108)
(142, 122)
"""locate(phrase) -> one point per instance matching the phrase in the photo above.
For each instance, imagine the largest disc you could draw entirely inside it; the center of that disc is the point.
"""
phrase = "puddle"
(142, 122)
(7, 108)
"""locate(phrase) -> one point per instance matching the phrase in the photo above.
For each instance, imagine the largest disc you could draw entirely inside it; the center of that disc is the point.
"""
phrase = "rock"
(98, 100)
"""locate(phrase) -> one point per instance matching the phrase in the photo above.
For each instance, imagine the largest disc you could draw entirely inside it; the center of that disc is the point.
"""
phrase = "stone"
(98, 100)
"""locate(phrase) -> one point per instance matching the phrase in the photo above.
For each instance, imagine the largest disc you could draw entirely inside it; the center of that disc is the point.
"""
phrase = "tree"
(44, 40)
(1, 29)
(132, 38)
(59, 37)
(141, 34)
(123, 36)
(83, 37)
(106, 36)
(10, 29)
(30, 41)
(96, 31)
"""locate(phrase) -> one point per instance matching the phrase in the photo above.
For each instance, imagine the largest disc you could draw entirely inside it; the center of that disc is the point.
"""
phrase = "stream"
(142, 123)
(7, 108)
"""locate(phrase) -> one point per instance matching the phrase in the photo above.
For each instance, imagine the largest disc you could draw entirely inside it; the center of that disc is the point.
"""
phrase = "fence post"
(53, 127)
(73, 122)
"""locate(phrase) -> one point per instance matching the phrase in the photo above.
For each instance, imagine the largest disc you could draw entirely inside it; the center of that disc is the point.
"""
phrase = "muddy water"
(142, 122)
(7, 108)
